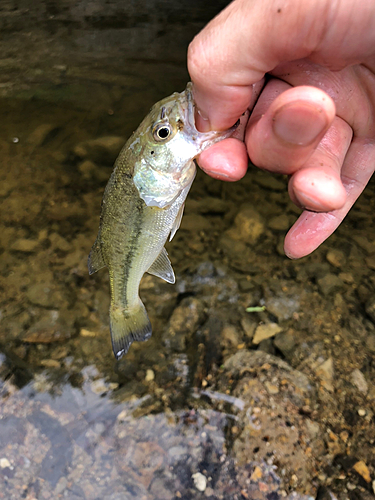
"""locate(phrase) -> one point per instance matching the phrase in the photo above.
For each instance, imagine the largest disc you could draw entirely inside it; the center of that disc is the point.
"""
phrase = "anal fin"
(95, 260)
(162, 267)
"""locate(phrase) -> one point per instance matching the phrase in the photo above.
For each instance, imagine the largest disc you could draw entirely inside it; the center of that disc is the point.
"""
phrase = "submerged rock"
(101, 150)
(248, 225)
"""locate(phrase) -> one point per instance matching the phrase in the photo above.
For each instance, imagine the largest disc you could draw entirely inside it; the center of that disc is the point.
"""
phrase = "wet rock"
(283, 307)
(248, 225)
(370, 342)
(234, 249)
(266, 345)
(285, 342)
(25, 245)
(50, 328)
(246, 360)
(59, 243)
(358, 379)
(101, 150)
(42, 134)
(230, 337)
(279, 223)
(364, 243)
(88, 169)
(336, 258)
(183, 323)
(329, 284)
(361, 468)
(325, 372)
(265, 331)
(317, 270)
(249, 327)
(44, 294)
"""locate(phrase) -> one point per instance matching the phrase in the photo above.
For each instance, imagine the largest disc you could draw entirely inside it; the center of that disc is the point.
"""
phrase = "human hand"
(315, 116)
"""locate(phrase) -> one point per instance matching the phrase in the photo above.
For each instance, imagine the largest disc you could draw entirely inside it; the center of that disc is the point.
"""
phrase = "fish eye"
(162, 131)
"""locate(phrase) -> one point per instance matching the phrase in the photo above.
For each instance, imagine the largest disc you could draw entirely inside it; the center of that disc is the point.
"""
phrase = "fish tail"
(128, 325)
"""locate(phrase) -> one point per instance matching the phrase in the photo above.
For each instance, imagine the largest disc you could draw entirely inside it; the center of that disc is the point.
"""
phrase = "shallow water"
(219, 403)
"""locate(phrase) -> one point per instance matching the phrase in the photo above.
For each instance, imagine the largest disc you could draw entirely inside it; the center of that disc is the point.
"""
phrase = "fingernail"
(219, 175)
(300, 123)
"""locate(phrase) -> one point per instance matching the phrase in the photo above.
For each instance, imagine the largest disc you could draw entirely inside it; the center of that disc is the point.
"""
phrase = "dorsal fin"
(162, 267)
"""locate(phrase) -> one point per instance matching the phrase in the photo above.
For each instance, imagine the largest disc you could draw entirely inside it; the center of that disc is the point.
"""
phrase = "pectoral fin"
(95, 261)
(162, 267)
(177, 222)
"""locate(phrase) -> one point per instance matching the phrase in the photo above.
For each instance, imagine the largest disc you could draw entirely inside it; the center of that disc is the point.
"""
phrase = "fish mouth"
(187, 108)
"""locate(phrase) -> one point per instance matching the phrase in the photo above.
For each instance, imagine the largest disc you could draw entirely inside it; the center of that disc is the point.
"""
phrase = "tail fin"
(128, 326)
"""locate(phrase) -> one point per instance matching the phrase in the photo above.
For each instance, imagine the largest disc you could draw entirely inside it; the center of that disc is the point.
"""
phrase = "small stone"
(59, 243)
(365, 244)
(230, 336)
(283, 307)
(248, 225)
(329, 284)
(271, 388)
(358, 379)
(248, 327)
(362, 412)
(42, 134)
(325, 372)
(336, 258)
(4, 462)
(87, 168)
(266, 331)
(150, 375)
(50, 363)
(279, 223)
(286, 343)
(200, 481)
(25, 245)
(87, 333)
(256, 474)
(361, 468)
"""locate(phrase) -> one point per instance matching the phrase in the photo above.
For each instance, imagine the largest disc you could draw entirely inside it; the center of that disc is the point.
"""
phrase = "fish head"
(168, 142)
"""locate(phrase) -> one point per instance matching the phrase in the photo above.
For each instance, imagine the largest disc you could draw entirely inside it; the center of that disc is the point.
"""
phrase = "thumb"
(252, 37)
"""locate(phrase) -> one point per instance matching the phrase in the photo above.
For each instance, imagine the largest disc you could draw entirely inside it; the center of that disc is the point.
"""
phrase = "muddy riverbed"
(220, 403)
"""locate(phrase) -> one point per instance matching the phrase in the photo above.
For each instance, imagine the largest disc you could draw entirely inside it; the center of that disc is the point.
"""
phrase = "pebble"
(230, 336)
(87, 333)
(362, 412)
(329, 284)
(150, 375)
(59, 243)
(286, 343)
(361, 468)
(283, 307)
(183, 323)
(358, 379)
(50, 363)
(25, 245)
(336, 258)
(41, 134)
(4, 462)
(325, 372)
(248, 225)
(279, 223)
(266, 331)
(271, 388)
(200, 481)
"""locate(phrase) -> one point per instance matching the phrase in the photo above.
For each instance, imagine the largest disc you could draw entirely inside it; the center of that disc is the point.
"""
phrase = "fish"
(142, 206)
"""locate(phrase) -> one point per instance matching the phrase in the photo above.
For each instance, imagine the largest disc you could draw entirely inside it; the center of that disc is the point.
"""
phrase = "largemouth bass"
(143, 205)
